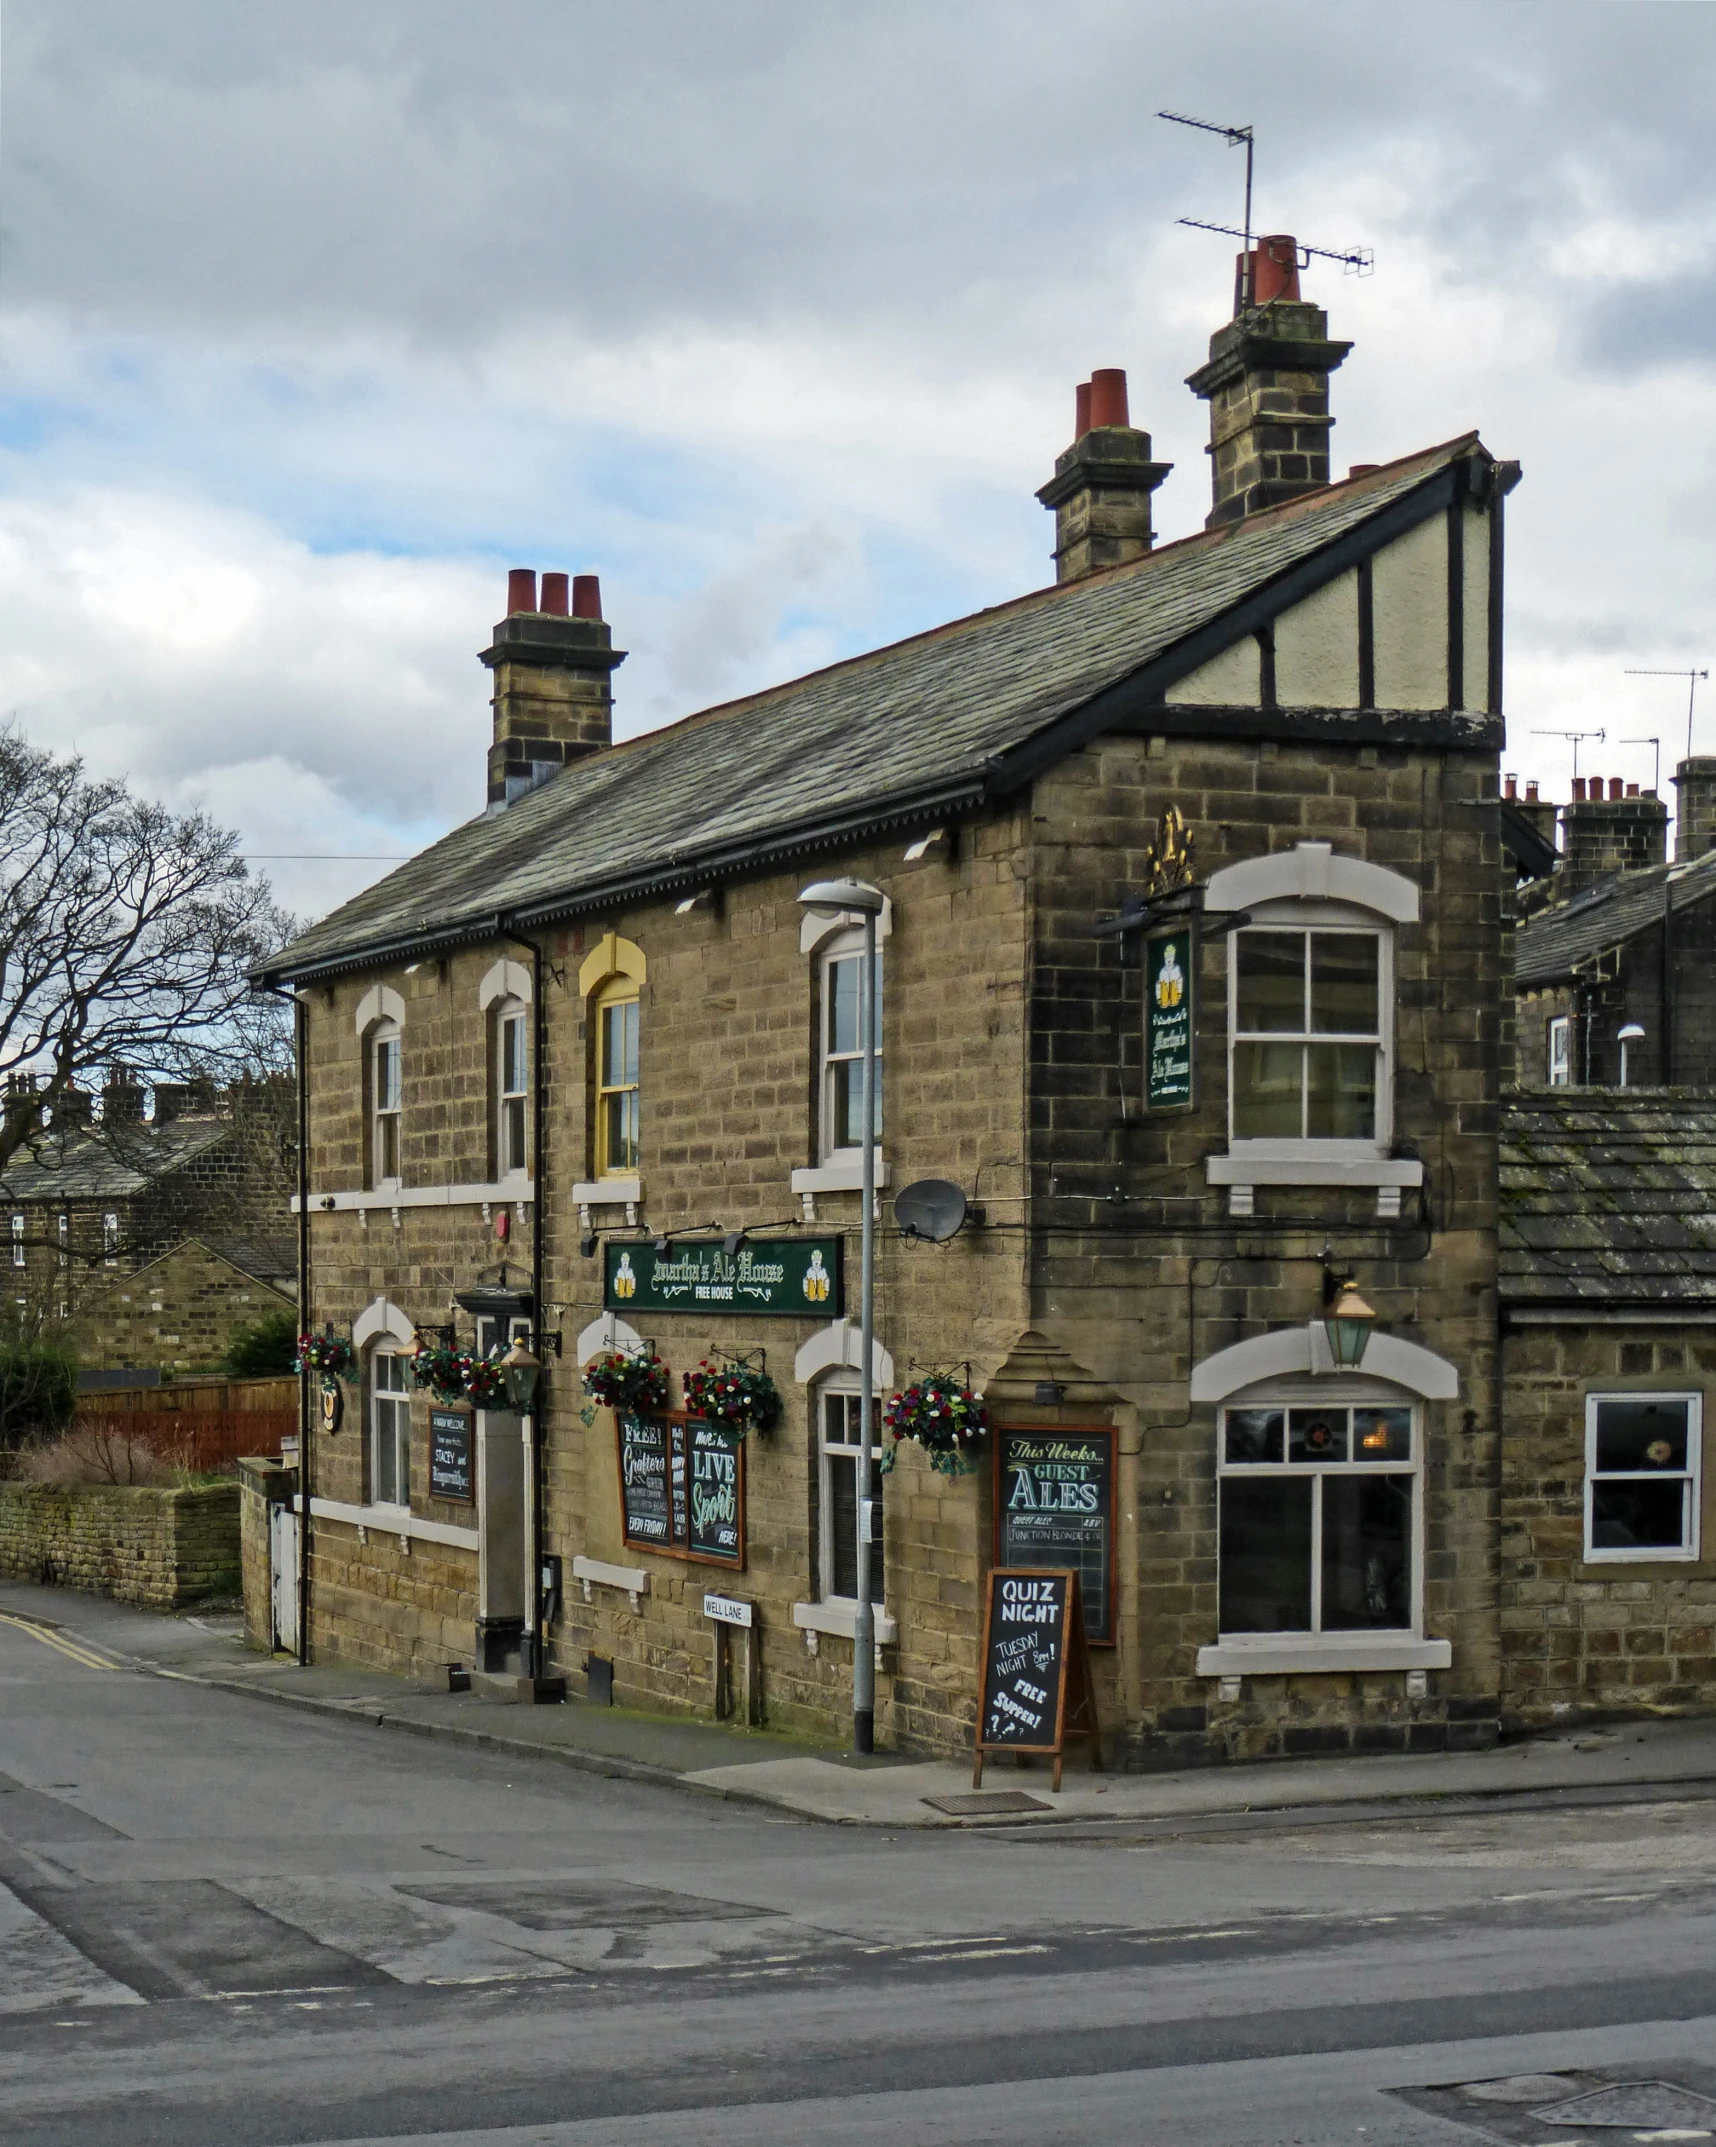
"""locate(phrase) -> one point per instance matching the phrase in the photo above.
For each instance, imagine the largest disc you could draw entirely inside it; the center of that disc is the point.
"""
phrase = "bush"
(104, 1450)
(265, 1349)
(38, 1391)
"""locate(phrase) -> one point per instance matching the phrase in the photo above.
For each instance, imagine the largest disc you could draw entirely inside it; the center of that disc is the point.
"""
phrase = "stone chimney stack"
(1101, 488)
(1267, 385)
(553, 665)
(1543, 813)
(1695, 810)
(1616, 833)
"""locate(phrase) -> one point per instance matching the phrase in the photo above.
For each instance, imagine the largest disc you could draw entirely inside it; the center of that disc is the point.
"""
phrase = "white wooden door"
(283, 1575)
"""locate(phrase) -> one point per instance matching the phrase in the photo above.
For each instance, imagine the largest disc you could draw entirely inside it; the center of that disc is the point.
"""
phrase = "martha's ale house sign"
(788, 1278)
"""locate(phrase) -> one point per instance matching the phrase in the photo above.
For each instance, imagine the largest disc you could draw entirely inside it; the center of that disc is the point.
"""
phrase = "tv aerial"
(1355, 260)
(1691, 678)
(934, 1209)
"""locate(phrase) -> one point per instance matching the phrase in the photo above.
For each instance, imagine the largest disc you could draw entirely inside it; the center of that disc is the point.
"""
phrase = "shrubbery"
(266, 1349)
(38, 1390)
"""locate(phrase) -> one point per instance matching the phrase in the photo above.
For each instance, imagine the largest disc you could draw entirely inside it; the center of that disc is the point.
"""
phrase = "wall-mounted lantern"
(1347, 1321)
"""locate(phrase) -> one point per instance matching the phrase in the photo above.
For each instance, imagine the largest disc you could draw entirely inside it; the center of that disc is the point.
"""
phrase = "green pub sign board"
(1168, 1020)
(787, 1278)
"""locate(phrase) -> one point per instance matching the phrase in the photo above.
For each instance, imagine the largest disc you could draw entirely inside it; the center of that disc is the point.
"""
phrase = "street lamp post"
(835, 898)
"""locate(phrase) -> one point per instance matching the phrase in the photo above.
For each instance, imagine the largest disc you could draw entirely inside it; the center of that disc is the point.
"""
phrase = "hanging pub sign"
(791, 1278)
(450, 1471)
(1036, 1690)
(1168, 1019)
(1054, 1506)
(682, 1488)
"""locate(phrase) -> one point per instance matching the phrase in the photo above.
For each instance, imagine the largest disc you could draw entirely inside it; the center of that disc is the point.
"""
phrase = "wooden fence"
(196, 1423)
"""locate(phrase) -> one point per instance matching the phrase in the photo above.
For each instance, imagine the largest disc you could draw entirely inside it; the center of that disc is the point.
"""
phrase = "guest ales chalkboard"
(1054, 1506)
(682, 1487)
(450, 1455)
(1035, 1670)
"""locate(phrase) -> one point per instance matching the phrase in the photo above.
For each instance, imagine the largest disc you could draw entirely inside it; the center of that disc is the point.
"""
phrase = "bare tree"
(126, 932)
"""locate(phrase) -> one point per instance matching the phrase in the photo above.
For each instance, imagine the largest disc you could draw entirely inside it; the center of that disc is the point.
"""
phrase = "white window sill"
(392, 1521)
(420, 1196)
(597, 1573)
(1261, 1655)
(1313, 1164)
(840, 1174)
(609, 1193)
(839, 1617)
(1682, 1557)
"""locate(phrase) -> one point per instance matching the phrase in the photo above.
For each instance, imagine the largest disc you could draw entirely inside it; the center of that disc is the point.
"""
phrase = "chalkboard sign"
(1054, 1506)
(450, 1472)
(1036, 1690)
(682, 1488)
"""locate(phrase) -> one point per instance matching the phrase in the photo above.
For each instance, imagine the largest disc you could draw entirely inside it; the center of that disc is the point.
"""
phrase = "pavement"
(1581, 1765)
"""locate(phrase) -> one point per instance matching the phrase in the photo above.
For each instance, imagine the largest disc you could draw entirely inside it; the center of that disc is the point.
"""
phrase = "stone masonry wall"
(263, 1485)
(1141, 1272)
(728, 1030)
(179, 1312)
(1580, 1638)
(157, 1547)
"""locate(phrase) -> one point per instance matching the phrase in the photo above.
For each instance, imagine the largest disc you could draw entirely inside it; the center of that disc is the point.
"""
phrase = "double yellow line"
(78, 1651)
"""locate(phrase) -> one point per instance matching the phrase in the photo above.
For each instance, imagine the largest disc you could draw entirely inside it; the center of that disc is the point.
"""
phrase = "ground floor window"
(1319, 1518)
(1641, 1476)
(840, 1456)
(390, 1430)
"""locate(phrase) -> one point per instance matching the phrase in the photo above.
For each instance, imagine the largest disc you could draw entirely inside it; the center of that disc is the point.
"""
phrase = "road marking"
(77, 1651)
(983, 1953)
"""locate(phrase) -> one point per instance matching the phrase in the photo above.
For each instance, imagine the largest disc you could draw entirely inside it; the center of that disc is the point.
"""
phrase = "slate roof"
(1608, 1197)
(107, 1165)
(1552, 945)
(894, 730)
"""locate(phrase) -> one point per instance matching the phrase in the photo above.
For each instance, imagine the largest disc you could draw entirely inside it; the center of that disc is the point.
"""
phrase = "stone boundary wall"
(137, 1544)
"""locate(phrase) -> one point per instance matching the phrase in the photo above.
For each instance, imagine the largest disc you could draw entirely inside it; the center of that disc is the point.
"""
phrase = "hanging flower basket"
(945, 1417)
(734, 1396)
(439, 1368)
(619, 1380)
(330, 1354)
(484, 1381)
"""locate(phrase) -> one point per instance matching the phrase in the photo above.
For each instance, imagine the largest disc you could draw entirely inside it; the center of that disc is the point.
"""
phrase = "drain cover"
(988, 1800)
(1522, 2087)
(1640, 2104)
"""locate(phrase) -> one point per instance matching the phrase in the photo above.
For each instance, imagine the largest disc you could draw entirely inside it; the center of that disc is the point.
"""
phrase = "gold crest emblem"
(1168, 860)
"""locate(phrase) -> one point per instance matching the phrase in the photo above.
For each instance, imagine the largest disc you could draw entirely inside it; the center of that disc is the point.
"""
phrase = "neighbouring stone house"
(1615, 957)
(584, 1068)
(146, 1240)
(1608, 1287)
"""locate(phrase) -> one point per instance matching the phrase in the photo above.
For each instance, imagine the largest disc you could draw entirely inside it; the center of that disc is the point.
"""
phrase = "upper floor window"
(1561, 1052)
(385, 1088)
(110, 1239)
(618, 1113)
(65, 1240)
(843, 1047)
(512, 1084)
(20, 1257)
(1309, 1037)
(390, 1429)
(1641, 1477)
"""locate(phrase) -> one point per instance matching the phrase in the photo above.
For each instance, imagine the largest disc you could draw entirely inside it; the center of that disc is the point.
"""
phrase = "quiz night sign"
(793, 1278)
(1168, 1020)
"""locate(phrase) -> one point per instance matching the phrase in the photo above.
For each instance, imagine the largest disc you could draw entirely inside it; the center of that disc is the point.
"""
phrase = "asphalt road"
(226, 1922)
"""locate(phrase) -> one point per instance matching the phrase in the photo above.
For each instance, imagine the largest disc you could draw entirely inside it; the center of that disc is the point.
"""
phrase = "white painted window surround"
(421, 1196)
(382, 1319)
(393, 1521)
(838, 1347)
(607, 1332)
(1293, 1366)
(1306, 887)
(504, 980)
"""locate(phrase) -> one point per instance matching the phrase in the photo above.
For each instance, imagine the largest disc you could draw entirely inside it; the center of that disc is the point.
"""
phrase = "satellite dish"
(932, 1208)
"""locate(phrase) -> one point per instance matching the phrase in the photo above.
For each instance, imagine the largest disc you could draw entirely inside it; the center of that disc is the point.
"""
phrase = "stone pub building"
(583, 1070)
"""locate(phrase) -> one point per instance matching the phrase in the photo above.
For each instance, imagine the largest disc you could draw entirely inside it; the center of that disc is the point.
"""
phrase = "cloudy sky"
(315, 317)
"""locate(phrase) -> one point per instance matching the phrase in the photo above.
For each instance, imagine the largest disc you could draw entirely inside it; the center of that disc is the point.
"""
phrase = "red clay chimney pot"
(1531, 793)
(586, 596)
(1275, 269)
(554, 594)
(1108, 397)
(1578, 790)
(520, 589)
(1081, 409)
(1632, 790)
(1617, 789)
(1511, 789)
